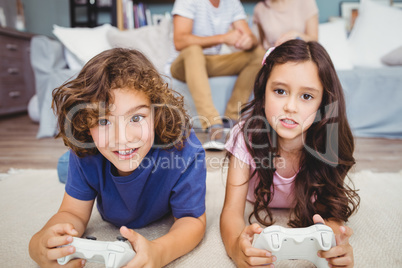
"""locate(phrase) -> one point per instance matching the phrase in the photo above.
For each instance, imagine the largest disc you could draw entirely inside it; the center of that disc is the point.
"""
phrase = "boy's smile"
(126, 135)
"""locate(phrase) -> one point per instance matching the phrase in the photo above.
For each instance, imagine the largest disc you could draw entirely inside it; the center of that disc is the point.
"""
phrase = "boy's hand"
(342, 254)
(146, 253)
(49, 246)
(244, 255)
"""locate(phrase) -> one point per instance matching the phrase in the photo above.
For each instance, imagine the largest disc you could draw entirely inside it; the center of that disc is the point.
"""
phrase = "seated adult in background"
(281, 20)
(200, 28)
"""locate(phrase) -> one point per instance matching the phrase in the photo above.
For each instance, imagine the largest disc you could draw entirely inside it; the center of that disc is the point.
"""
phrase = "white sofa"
(373, 90)
(54, 63)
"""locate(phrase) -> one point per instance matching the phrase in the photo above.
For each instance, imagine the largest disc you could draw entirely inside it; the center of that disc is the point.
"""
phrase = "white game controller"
(112, 254)
(297, 243)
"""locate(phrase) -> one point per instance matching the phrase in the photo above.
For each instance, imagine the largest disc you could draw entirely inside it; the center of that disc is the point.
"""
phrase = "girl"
(132, 151)
(292, 149)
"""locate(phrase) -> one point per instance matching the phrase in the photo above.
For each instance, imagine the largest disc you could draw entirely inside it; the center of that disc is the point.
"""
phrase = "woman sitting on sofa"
(281, 20)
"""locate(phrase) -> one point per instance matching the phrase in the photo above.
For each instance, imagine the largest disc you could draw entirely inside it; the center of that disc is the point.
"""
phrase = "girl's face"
(292, 97)
(126, 135)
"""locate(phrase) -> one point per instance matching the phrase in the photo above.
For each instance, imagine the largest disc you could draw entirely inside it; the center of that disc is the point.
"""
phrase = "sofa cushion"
(84, 43)
(376, 32)
(333, 37)
(153, 41)
(393, 58)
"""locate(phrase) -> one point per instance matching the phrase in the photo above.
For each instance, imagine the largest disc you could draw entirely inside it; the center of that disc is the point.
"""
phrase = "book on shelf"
(132, 14)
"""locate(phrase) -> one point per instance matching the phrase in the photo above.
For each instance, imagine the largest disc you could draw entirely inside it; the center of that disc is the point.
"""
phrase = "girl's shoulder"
(236, 144)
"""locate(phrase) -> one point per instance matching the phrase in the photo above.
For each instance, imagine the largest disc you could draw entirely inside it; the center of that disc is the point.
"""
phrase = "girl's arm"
(71, 220)
(236, 236)
(342, 253)
(183, 236)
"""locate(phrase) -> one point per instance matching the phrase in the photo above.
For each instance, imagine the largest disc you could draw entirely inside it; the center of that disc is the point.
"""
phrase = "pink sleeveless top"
(284, 187)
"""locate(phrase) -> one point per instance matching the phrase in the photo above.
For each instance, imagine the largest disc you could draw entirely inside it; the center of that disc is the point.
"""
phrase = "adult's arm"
(183, 37)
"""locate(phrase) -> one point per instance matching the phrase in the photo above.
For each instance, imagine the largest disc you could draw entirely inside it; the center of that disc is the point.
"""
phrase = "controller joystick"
(297, 243)
(112, 254)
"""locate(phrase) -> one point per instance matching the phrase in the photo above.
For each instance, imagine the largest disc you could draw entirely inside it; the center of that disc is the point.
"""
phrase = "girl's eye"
(307, 97)
(137, 118)
(103, 122)
(280, 91)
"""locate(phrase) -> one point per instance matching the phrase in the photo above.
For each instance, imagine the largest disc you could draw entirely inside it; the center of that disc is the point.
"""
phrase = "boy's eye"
(137, 118)
(307, 97)
(103, 122)
(280, 91)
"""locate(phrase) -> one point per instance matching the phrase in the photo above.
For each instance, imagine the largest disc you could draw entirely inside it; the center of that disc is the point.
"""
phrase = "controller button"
(121, 238)
(115, 248)
(326, 239)
(90, 237)
(110, 260)
(275, 241)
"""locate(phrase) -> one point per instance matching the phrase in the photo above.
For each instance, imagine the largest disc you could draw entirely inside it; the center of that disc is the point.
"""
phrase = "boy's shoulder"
(191, 146)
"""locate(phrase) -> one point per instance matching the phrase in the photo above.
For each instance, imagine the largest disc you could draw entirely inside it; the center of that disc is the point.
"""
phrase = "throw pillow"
(377, 31)
(84, 43)
(393, 58)
(333, 37)
(153, 41)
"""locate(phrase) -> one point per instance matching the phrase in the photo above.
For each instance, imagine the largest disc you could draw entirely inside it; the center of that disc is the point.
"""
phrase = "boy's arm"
(183, 236)
(71, 220)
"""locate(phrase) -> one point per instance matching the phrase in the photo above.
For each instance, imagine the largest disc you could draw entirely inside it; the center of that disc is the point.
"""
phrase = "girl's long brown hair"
(79, 103)
(328, 152)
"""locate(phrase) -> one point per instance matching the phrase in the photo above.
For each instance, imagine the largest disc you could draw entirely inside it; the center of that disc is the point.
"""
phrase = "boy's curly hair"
(79, 103)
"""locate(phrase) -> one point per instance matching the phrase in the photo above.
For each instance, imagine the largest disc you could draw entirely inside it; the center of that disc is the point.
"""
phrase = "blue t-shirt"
(167, 181)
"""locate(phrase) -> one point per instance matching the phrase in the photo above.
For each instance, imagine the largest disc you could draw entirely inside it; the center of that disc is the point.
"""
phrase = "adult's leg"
(190, 67)
(244, 84)
(246, 65)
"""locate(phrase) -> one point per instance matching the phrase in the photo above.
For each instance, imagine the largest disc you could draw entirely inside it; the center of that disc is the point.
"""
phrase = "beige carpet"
(29, 197)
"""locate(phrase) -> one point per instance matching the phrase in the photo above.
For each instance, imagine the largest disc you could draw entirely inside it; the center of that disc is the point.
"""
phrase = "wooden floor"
(20, 149)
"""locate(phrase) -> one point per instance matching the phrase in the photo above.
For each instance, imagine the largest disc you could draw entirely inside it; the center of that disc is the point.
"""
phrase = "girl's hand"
(146, 253)
(342, 254)
(48, 250)
(244, 255)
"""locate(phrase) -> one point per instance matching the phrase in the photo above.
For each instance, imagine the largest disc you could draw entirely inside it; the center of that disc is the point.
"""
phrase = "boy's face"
(126, 135)
(292, 97)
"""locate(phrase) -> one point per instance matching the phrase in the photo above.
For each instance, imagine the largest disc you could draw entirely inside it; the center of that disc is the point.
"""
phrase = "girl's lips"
(288, 123)
(126, 154)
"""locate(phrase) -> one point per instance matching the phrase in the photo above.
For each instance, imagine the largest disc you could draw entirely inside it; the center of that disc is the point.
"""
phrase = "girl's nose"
(290, 105)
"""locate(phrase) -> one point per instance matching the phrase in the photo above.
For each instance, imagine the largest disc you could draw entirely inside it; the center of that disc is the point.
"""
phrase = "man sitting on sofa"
(200, 28)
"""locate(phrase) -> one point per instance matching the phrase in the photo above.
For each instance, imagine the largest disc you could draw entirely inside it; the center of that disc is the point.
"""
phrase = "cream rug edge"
(28, 198)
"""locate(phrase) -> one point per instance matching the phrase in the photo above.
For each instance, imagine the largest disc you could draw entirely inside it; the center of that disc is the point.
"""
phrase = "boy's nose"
(121, 131)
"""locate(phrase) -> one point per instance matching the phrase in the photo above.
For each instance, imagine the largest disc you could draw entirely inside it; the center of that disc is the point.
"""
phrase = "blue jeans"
(62, 167)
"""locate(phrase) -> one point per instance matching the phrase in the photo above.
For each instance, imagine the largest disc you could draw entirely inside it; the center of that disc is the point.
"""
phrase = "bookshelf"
(132, 14)
(87, 13)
